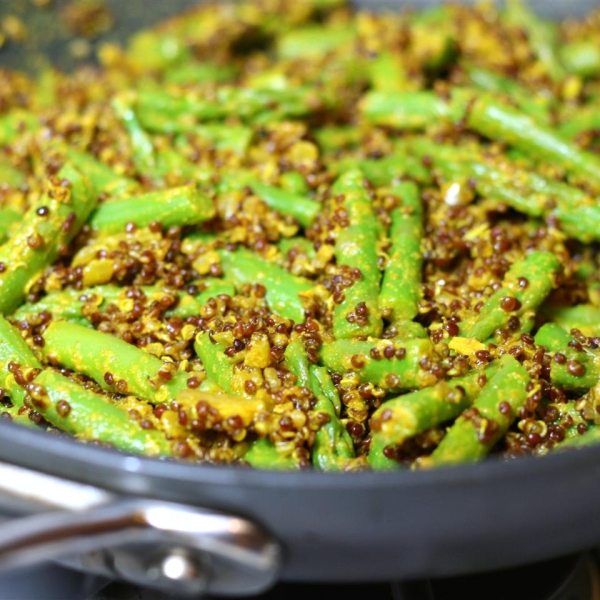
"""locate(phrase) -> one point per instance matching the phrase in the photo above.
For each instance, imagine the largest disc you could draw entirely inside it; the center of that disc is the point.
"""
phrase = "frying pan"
(234, 531)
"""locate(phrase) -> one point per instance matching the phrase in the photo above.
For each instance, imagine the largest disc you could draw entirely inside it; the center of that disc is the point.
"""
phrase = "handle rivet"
(178, 567)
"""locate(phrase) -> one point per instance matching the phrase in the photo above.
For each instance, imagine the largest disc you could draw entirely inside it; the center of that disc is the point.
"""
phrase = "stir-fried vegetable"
(291, 235)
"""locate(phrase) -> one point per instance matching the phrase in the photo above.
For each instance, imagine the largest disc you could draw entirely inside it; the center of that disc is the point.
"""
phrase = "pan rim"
(65, 456)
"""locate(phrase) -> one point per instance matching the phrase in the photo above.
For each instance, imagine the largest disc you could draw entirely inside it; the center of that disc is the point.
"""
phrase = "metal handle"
(168, 546)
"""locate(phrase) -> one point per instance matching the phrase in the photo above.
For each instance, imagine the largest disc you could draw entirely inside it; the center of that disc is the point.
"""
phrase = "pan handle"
(171, 547)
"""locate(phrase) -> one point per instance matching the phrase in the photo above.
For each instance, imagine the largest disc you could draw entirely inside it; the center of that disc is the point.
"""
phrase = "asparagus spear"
(67, 405)
(574, 123)
(536, 106)
(11, 176)
(409, 111)
(321, 380)
(356, 246)
(399, 419)
(90, 416)
(581, 57)
(199, 72)
(487, 116)
(525, 286)
(504, 124)
(246, 103)
(589, 438)
(178, 206)
(584, 317)
(299, 207)
(68, 304)
(393, 366)
(14, 349)
(472, 436)
(313, 41)
(284, 290)
(8, 217)
(384, 171)
(333, 445)
(217, 365)
(401, 285)
(387, 73)
(542, 36)
(305, 211)
(102, 177)
(45, 229)
(570, 369)
(14, 123)
(263, 454)
(578, 213)
(114, 364)
(143, 148)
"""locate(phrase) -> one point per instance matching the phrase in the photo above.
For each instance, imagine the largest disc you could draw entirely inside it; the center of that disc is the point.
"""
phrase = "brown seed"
(361, 309)
(121, 386)
(451, 329)
(375, 354)
(181, 449)
(165, 374)
(182, 417)
(355, 429)
(365, 390)
(482, 356)
(516, 351)
(134, 414)
(389, 352)
(509, 304)
(358, 361)
(63, 408)
(159, 410)
(527, 339)
(504, 408)
(35, 241)
(560, 358)
(20, 378)
(575, 368)
(392, 380)
(69, 222)
(286, 423)
(193, 383)
(513, 323)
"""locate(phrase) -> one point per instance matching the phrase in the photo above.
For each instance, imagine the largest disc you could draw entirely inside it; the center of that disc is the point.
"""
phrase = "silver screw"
(178, 571)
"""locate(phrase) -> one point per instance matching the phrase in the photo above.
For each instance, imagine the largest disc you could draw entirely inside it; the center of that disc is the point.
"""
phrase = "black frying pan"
(363, 526)
(360, 526)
